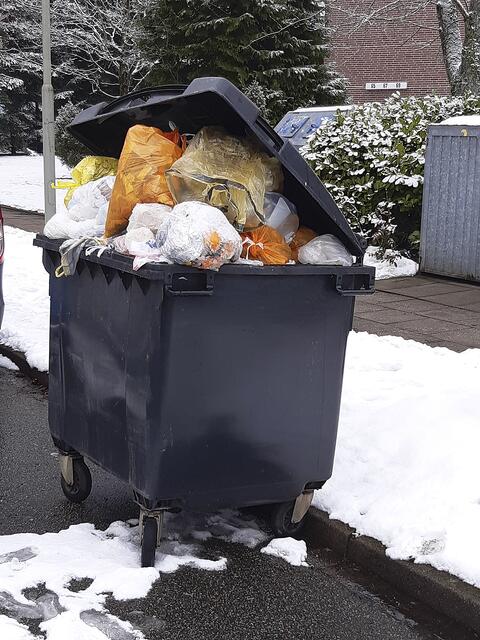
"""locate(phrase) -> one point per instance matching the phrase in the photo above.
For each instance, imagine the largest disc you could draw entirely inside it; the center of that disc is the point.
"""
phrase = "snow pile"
(21, 182)
(111, 560)
(292, 551)
(13, 630)
(6, 363)
(472, 121)
(400, 268)
(25, 288)
(406, 468)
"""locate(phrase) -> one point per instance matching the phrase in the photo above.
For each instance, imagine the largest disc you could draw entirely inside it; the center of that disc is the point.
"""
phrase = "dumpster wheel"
(81, 486)
(151, 531)
(281, 520)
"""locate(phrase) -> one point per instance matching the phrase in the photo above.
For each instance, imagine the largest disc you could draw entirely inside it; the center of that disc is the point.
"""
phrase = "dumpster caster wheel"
(80, 489)
(281, 520)
(149, 541)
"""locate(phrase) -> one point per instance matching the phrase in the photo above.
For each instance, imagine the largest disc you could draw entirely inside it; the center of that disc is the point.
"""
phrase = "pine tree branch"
(291, 24)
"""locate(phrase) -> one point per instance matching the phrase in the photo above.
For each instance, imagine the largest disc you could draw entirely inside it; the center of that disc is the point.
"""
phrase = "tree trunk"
(451, 39)
(468, 79)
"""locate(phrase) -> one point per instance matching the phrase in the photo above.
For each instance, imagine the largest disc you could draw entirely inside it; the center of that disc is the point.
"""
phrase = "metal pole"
(48, 116)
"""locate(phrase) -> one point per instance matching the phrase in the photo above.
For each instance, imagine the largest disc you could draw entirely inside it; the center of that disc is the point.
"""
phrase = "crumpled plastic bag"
(148, 215)
(301, 237)
(273, 174)
(138, 236)
(146, 155)
(62, 227)
(89, 198)
(88, 169)
(224, 171)
(281, 214)
(326, 249)
(199, 235)
(267, 245)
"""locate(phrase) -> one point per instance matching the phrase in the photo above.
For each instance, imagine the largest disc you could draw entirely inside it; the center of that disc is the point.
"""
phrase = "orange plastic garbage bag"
(267, 245)
(301, 237)
(147, 153)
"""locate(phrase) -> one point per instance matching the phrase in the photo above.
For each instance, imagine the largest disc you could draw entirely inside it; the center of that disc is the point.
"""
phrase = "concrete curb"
(443, 592)
(18, 358)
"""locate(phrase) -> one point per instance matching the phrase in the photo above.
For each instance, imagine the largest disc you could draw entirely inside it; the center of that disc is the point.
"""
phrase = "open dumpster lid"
(214, 101)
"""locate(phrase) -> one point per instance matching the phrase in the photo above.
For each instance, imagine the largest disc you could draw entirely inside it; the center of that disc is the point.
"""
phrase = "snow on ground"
(6, 363)
(386, 269)
(111, 560)
(21, 182)
(292, 551)
(406, 468)
(13, 630)
(25, 289)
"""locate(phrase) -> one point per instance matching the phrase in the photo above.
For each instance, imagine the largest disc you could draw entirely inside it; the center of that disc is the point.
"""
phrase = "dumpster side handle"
(194, 284)
(355, 284)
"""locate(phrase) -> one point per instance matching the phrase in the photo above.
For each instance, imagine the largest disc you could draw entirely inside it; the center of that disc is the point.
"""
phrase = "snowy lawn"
(25, 289)
(21, 182)
(406, 469)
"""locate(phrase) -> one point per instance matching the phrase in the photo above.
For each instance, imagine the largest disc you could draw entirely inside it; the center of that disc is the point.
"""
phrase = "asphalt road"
(256, 597)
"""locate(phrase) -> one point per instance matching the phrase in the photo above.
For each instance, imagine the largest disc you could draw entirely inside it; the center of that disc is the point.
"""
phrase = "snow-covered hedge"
(372, 159)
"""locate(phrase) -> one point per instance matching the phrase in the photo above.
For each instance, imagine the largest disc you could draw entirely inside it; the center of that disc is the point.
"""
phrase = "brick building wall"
(390, 49)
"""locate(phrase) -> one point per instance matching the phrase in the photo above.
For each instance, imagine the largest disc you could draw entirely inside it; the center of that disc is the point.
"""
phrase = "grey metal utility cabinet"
(450, 234)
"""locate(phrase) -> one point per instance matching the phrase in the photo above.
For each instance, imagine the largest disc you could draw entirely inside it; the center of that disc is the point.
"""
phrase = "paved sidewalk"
(436, 311)
(23, 219)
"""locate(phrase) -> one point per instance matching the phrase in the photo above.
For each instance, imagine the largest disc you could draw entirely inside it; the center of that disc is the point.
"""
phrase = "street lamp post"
(48, 116)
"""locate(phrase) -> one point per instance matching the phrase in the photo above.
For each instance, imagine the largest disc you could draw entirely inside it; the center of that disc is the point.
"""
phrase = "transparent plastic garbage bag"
(224, 171)
(326, 249)
(150, 215)
(281, 214)
(199, 235)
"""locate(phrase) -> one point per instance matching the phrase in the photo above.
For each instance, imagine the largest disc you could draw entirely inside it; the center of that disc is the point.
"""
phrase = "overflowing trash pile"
(205, 201)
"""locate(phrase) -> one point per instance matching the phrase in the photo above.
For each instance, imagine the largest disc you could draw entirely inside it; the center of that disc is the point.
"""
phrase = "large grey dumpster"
(450, 235)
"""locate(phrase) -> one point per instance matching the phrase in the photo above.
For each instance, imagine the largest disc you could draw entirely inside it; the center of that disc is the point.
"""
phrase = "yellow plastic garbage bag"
(88, 169)
(146, 155)
(224, 171)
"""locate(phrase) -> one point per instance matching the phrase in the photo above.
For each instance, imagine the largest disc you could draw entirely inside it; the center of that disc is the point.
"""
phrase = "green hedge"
(372, 161)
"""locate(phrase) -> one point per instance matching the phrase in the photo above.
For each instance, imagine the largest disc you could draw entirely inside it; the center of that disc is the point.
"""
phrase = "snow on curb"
(27, 304)
(400, 268)
(406, 468)
(292, 551)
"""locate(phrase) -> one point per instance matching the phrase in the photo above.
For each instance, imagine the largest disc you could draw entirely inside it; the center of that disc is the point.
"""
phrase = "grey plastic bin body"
(450, 235)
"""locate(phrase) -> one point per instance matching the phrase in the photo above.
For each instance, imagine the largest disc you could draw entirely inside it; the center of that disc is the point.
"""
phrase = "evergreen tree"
(275, 50)
(20, 75)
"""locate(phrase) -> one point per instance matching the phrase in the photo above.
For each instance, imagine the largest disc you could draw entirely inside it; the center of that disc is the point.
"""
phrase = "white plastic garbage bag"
(87, 199)
(200, 235)
(326, 249)
(150, 215)
(62, 227)
(140, 241)
(101, 216)
(281, 214)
